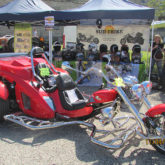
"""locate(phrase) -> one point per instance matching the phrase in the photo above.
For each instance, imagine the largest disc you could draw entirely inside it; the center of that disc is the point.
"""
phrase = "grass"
(72, 63)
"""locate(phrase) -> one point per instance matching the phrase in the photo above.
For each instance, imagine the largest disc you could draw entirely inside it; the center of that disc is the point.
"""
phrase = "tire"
(159, 147)
(11, 44)
(82, 37)
(4, 109)
(96, 40)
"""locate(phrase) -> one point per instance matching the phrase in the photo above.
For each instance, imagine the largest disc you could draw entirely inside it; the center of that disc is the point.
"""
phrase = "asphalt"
(70, 145)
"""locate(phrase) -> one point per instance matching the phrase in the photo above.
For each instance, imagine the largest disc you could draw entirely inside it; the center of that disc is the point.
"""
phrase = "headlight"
(108, 112)
(147, 85)
(137, 91)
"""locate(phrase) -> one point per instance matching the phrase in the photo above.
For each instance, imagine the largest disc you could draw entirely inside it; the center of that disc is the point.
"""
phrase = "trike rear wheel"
(4, 108)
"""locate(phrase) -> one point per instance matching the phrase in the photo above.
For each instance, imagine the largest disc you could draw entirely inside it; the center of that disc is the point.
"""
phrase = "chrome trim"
(146, 102)
(40, 124)
(50, 64)
(132, 108)
(32, 62)
(122, 138)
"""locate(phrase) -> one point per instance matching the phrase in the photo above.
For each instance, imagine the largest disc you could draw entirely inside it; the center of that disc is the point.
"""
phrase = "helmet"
(136, 49)
(125, 54)
(92, 47)
(114, 49)
(80, 56)
(37, 52)
(57, 46)
(103, 48)
(125, 48)
(136, 54)
(80, 46)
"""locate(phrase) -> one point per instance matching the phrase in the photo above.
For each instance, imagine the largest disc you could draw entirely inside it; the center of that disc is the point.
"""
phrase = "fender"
(156, 110)
(4, 93)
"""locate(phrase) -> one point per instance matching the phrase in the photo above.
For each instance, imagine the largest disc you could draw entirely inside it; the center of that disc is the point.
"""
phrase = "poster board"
(114, 34)
(49, 23)
(22, 38)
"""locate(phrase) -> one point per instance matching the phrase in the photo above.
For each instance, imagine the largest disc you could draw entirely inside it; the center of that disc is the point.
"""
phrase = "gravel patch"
(70, 145)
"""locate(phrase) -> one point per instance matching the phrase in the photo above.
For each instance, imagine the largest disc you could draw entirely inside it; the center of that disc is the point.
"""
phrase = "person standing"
(157, 54)
(35, 33)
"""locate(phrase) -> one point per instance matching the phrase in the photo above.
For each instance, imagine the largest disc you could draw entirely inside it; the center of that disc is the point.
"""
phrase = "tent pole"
(50, 46)
(148, 60)
(151, 49)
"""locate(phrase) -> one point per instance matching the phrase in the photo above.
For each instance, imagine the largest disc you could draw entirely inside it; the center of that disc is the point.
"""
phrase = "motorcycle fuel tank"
(104, 95)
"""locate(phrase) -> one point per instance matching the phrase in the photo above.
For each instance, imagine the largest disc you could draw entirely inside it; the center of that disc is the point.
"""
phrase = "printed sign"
(49, 22)
(129, 35)
(22, 38)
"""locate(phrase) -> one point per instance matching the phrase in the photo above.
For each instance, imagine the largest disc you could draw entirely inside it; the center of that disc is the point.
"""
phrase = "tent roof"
(158, 24)
(24, 10)
(108, 9)
(36, 10)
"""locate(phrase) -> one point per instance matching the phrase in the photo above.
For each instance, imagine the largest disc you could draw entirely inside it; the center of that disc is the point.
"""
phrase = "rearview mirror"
(66, 65)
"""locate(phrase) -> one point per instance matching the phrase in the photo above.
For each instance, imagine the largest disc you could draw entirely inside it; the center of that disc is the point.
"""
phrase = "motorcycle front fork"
(134, 111)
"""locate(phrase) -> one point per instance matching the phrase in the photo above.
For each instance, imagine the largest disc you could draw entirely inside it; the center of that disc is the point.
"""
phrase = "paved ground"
(70, 145)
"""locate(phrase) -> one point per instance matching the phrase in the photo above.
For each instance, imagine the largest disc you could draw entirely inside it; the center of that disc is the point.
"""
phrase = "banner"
(22, 38)
(118, 34)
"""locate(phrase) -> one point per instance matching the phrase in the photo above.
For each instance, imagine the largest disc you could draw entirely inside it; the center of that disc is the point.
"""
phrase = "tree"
(159, 6)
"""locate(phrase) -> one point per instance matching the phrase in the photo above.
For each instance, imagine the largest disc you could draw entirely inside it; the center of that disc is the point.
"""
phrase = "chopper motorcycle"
(46, 97)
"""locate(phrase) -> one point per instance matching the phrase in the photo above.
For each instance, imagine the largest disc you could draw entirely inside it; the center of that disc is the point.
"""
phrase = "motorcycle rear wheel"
(4, 109)
(156, 142)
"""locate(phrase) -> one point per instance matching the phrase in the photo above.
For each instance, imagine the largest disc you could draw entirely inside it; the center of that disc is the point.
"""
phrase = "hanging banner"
(118, 34)
(49, 22)
(22, 38)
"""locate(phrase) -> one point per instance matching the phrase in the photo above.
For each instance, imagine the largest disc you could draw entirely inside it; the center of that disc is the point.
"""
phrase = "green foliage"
(158, 5)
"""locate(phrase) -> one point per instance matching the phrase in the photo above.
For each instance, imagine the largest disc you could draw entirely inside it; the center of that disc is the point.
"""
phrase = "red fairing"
(156, 110)
(73, 114)
(4, 93)
(18, 69)
(105, 95)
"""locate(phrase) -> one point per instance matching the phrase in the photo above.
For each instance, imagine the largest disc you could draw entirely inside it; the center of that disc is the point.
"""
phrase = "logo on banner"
(109, 29)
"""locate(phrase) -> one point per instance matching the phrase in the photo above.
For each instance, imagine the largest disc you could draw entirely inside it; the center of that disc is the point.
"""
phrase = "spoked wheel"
(4, 109)
(158, 144)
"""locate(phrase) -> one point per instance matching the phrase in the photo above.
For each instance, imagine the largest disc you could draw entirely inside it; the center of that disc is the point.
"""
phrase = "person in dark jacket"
(157, 54)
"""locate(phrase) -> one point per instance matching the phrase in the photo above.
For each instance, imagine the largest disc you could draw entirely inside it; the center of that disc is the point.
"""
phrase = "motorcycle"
(130, 39)
(149, 126)
(46, 97)
(83, 38)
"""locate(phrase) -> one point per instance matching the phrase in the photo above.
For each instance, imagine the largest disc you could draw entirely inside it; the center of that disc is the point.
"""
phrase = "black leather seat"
(70, 96)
